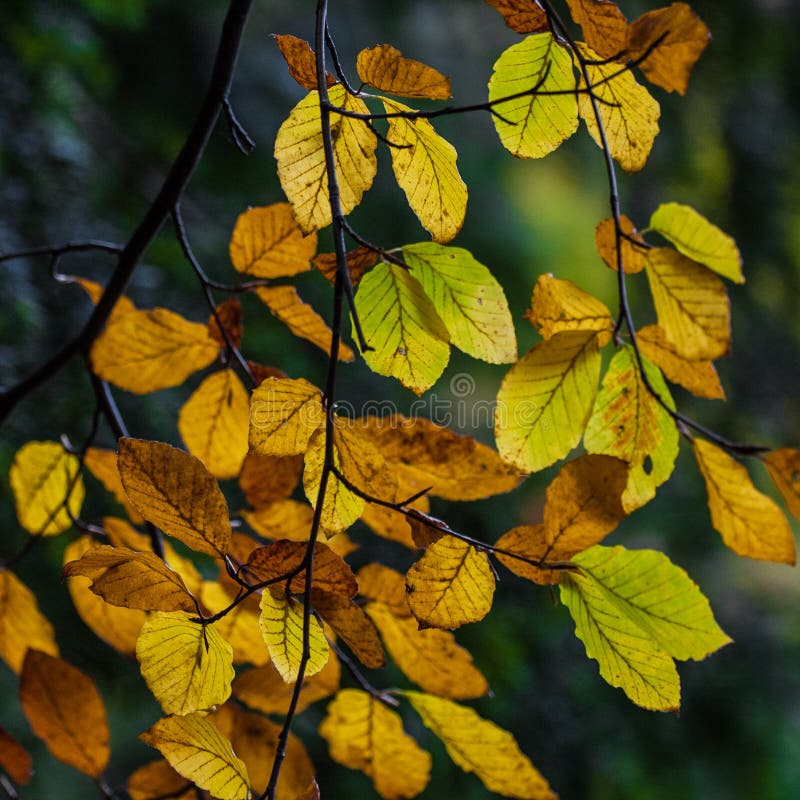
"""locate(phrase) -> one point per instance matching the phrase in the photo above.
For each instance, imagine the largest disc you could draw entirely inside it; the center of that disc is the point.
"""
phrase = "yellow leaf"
(239, 627)
(66, 711)
(628, 111)
(361, 461)
(144, 351)
(213, 423)
(95, 292)
(605, 238)
(117, 626)
(683, 37)
(352, 625)
(698, 377)
(430, 657)
(199, 752)
(14, 759)
(301, 60)
(604, 26)
(268, 243)
(425, 167)
(533, 125)
(175, 492)
(125, 577)
(44, 479)
(385, 68)
(451, 584)
(187, 666)
(400, 322)
(283, 519)
(158, 779)
(750, 523)
(363, 734)
(103, 465)
(522, 16)
(22, 625)
(559, 305)
(694, 236)
(545, 399)
(386, 586)
(784, 468)
(691, 303)
(281, 624)
(300, 318)
(479, 746)
(469, 300)
(301, 158)
(265, 479)
(629, 423)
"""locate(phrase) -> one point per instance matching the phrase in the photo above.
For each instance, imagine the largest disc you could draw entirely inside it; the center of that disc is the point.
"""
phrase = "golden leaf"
(175, 492)
(301, 60)
(691, 303)
(479, 746)
(268, 243)
(386, 586)
(22, 625)
(364, 734)
(95, 291)
(385, 68)
(784, 468)
(545, 400)
(103, 465)
(159, 779)
(352, 625)
(283, 519)
(187, 666)
(199, 752)
(605, 238)
(65, 711)
(424, 164)
(144, 351)
(391, 524)
(522, 16)
(14, 759)
(429, 657)
(750, 523)
(300, 318)
(264, 479)
(44, 479)
(214, 421)
(300, 155)
(531, 543)
(604, 26)
(451, 584)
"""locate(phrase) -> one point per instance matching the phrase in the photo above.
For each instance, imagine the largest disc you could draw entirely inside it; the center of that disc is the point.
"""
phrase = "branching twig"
(56, 250)
(383, 696)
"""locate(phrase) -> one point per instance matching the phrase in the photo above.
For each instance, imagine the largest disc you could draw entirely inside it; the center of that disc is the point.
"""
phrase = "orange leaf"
(65, 710)
(14, 759)
(358, 262)
(350, 622)
(784, 468)
(384, 585)
(264, 479)
(103, 465)
(157, 780)
(230, 315)
(385, 68)
(301, 60)
(604, 26)
(522, 16)
(530, 542)
(605, 238)
(95, 292)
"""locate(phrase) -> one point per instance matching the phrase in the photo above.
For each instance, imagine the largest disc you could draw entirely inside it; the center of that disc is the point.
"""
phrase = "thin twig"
(360, 678)
(76, 246)
(241, 138)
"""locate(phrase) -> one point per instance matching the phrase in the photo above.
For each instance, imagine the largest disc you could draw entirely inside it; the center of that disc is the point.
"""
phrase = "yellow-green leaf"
(468, 298)
(187, 666)
(400, 322)
(694, 236)
(47, 488)
(362, 733)
(533, 125)
(750, 523)
(545, 399)
(629, 423)
(479, 746)
(301, 158)
(281, 624)
(425, 167)
(197, 750)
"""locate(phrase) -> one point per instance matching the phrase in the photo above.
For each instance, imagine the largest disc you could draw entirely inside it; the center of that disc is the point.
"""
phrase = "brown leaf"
(605, 238)
(301, 60)
(385, 68)
(230, 315)
(784, 468)
(358, 262)
(352, 625)
(261, 372)
(264, 479)
(604, 26)
(14, 759)
(522, 16)
(65, 710)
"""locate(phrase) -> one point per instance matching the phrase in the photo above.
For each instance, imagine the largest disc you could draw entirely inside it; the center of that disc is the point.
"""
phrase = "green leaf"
(469, 300)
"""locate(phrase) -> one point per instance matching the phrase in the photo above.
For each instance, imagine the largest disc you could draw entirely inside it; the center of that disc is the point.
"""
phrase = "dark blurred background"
(96, 97)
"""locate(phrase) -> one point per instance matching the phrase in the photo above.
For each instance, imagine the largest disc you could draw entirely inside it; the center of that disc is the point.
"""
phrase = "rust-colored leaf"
(522, 16)
(264, 479)
(784, 468)
(159, 780)
(349, 621)
(605, 238)
(358, 262)
(301, 60)
(14, 758)
(230, 315)
(385, 68)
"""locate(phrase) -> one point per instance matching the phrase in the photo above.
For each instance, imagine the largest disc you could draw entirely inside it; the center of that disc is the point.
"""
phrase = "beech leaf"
(385, 68)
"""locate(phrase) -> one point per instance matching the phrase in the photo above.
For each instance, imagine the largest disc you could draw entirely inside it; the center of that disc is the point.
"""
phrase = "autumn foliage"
(234, 652)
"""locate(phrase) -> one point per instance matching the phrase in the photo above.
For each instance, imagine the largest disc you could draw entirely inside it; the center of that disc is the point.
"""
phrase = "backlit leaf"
(391, 524)
(784, 468)
(95, 292)
(361, 461)
(159, 779)
(44, 479)
(197, 750)
(479, 746)
(451, 584)
(750, 523)
(213, 423)
(604, 26)
(281, 624)
(265, 479)
(628, 111)
(691, 303)
(362, 733)
(605, 238)
(22, 625)
(468, 299)
(230, 316)
(530, 543)
(14, 759)
(187, 666)
(358, 262)
(400, 322)
(425, 167)
(301, 158)
(289, 519)
(385, 68)
(144, 351)
(532, 125)
(629, 423)
(522, 16)
(268, 243)
(175, 492)
(301, 60)
(239, 627)
(352, 625)
(545, 399)
(431, 658)
(386, 586)
(65, 710)
(103, 465)
(694, 236)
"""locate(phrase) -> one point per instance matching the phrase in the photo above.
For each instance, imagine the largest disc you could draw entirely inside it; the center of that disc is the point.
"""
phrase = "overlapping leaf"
(301, 60)
(604, 26)
(352, 625)
(265, 479)
(159, 779)
(522, 16)
(103, 465)
(784, 468)
(385, 68)
(239, 627)
(14, 759)
(605, 237)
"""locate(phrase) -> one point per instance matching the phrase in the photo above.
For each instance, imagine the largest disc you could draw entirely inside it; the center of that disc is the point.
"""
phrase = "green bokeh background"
(96, 98)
